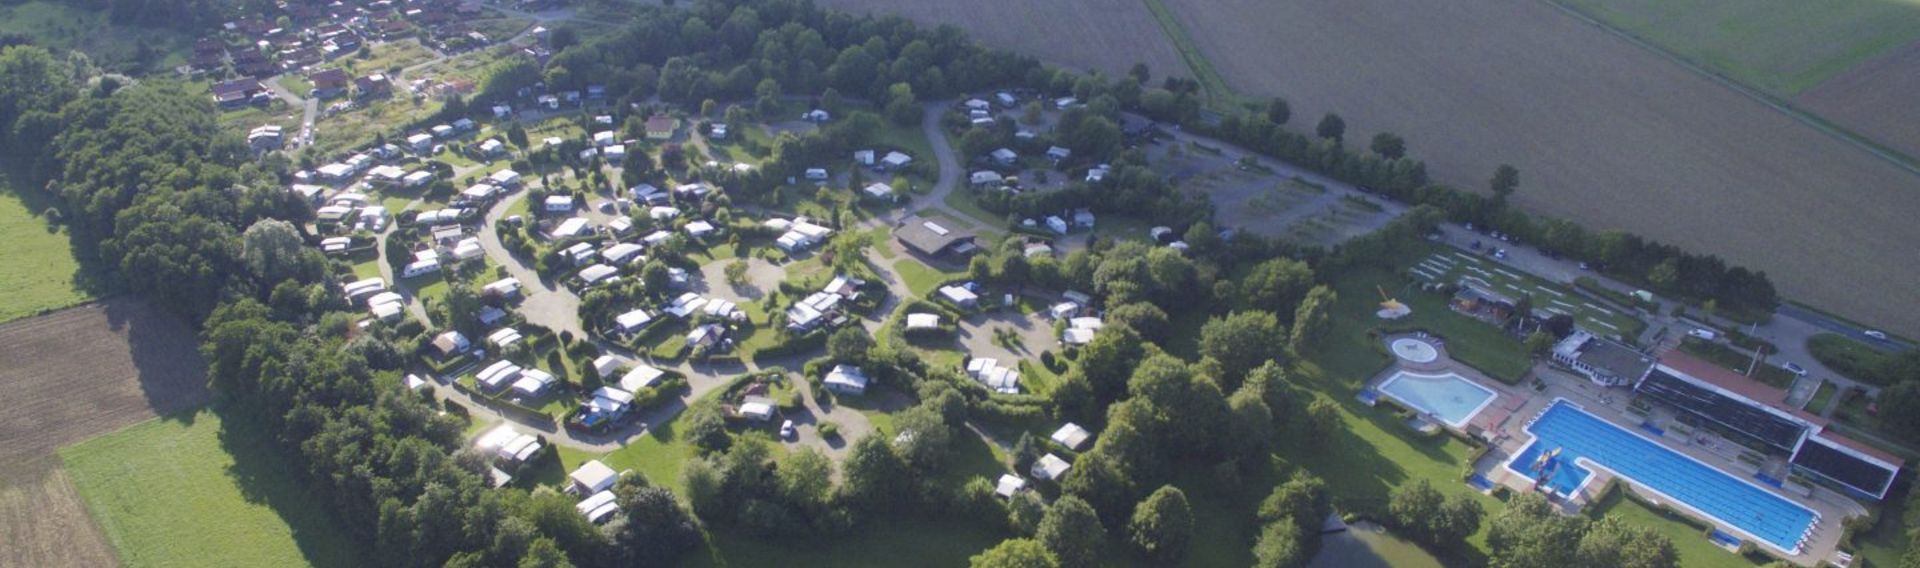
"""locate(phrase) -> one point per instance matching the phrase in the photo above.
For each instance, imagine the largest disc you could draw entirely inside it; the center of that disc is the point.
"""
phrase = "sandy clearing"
(1875, 99)
(1109, 35)
(1603, 132)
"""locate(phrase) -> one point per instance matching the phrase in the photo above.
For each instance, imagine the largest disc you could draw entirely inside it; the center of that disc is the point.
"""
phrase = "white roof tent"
(598, 508)
(641, 377)
(593, 477)
(846, 379)
(1071, 436)
(1050, 467)
(507, 444)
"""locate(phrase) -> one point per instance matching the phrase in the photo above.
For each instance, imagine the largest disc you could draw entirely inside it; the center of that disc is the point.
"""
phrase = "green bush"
(829, 429)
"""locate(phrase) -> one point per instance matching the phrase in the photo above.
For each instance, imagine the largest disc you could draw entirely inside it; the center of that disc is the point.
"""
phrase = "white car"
(1876, 334)
(1795, 368)
(1704, 334)
(786, 430)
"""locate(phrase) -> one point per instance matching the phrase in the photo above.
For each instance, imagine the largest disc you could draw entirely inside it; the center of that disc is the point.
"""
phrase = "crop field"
(1107, 35)
(1875, 99)
(1781, 46)
(41, 272)
(1852, 62)
(184, 491)
(1603, 132)
(72, 375)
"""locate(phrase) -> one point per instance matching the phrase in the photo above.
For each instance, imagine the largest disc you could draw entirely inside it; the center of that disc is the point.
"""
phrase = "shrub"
(829, 429)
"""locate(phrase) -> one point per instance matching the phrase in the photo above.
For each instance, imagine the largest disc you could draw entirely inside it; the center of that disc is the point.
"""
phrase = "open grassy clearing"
(1688, 540)
(41, 272)
(920, 278)
(1781, 46)
(1604, 132)
(71, 26)
(387, 58)
(1856, 360)
(1352, 354)
(185, 491)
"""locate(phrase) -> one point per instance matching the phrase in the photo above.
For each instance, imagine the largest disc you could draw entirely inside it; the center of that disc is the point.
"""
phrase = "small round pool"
(1414, 350)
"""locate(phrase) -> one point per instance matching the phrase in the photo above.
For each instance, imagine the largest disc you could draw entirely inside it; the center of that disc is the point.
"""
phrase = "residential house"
(930, 238)
(330, 82)
(1004, 156)
(1050, 467)
(661, 127)
(846, 379)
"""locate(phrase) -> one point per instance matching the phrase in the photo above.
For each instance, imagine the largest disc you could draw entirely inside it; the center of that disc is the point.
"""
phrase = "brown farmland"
(1108, 35)
(69, 376)
(1875, 99)
(1603, 132)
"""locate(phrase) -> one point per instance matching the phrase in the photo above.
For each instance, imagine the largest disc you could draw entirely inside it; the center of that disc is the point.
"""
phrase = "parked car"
(786, 430)
(1795, 368)
(1584, 267)
(1702, 333)
(1876, 334)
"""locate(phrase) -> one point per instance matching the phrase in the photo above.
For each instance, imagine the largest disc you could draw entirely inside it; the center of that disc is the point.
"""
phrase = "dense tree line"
(192, 222)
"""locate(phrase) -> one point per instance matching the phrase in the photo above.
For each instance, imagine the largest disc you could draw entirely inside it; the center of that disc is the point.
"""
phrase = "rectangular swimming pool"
(1728, 500)
(1450, 397)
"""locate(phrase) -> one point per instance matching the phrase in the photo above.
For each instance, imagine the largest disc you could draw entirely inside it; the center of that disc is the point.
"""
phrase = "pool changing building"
(1757, 412)
(1607, 363)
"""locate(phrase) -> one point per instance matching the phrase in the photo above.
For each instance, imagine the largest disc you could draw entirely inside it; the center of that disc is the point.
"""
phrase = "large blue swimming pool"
(1733, 501)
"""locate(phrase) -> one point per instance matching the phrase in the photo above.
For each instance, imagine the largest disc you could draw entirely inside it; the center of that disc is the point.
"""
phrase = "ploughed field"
(69, 376)
(1604, 132)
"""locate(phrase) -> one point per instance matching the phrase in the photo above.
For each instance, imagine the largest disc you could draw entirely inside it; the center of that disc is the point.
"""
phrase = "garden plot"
(1452, 266)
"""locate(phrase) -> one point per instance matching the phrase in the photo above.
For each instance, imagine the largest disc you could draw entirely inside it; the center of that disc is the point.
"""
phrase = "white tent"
(1071, 436)
(593, 477)
(846, 379)
(640, 377)
(1050, 467)
(599, 507)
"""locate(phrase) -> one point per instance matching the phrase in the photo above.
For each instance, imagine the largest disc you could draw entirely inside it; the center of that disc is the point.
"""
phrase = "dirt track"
(69, 376)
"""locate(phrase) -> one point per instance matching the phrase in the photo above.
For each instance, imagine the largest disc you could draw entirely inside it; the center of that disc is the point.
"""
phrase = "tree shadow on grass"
(262, 472)
(165, 354)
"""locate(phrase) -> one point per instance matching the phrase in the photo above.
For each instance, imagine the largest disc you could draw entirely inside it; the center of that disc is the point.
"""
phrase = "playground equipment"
(1391, 308)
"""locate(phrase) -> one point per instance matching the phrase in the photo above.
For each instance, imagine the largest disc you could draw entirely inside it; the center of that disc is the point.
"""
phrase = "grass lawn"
(920, 278)
(1821, 398)
(1692, 544)
(943, 542)
(962, 200)
(1781, 46)
(387, 57)
(64, 26)
(1449, 265)
(1886, 542)
(183, 491)
(41, 272)
(1854, 359)
(1353, 355)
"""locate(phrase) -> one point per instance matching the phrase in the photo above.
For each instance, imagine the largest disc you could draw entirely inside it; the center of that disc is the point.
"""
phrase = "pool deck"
(1502, 422)
(1510, 439)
